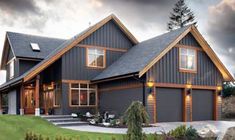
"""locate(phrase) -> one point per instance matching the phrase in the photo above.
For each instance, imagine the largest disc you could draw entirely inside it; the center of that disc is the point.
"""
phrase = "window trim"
(88, 95)
(104, 58)
(12, 61)
(195, 61)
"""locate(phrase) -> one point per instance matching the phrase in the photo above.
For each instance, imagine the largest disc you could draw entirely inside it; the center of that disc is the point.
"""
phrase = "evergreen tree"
(181, 16)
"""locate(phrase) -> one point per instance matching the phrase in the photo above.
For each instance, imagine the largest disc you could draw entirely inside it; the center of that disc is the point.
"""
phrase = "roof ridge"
(34, 35)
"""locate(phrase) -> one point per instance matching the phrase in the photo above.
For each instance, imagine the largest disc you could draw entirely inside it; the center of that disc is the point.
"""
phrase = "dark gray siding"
(189, 40)
(202, 105)
(115, 96)
(25, 65)
(16, 70)
(169, 104)
(10, 55)
(166, 70)
(117, 101)
(74, 61)
(109, 35)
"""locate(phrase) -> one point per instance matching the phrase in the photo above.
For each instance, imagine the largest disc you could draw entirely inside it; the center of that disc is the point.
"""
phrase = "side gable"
(205, 46)
(189, 40)
(109, 35)
(66, 46)
(7, 54)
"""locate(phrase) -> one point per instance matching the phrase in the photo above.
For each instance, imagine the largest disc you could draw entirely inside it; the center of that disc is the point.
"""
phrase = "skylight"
(35, 46)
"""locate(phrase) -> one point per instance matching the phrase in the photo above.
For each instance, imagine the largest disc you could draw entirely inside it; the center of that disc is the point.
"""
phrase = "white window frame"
(182, 69)
(96, 54)
(79, 92)
(11, 64)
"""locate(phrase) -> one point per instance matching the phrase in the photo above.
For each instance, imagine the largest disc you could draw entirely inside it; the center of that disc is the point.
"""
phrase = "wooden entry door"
(48, 101)
(29, 101)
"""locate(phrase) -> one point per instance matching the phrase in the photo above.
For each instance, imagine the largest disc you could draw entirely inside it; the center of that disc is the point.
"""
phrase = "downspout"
(143, 93)
(143, 89)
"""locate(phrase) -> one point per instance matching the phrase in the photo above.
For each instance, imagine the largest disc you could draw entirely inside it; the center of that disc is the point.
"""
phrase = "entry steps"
(64, 120)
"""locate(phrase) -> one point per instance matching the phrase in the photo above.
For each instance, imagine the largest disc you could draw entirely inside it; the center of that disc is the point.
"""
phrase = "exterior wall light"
(219, 88)
(150, 86)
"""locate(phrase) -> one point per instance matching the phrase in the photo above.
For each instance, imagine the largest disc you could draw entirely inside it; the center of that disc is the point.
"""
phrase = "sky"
(144, 18)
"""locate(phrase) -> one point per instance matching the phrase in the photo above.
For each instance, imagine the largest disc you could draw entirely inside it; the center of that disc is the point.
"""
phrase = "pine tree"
(181, 16)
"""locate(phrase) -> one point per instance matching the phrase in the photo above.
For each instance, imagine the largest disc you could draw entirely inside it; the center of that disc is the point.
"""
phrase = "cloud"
(221, 29)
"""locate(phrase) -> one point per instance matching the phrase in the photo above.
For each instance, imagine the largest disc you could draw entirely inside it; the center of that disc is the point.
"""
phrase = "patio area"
(218, 127)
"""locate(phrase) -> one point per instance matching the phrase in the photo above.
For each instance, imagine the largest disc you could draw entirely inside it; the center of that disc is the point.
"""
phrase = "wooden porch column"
(22, 100)
(0, 104)
(37, 109)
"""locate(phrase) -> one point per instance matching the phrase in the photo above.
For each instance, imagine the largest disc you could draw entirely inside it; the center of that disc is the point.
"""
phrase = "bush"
(184, 133)
(135, 116)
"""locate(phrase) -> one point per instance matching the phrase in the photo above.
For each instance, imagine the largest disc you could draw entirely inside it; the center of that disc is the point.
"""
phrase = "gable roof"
(20, 46)
(67, 45)
(144, 55)
(141, 54)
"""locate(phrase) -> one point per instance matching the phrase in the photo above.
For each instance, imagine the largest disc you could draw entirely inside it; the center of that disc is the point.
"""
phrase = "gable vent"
(35, 47)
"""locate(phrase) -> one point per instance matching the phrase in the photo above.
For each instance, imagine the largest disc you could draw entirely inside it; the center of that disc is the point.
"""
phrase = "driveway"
(218, 127)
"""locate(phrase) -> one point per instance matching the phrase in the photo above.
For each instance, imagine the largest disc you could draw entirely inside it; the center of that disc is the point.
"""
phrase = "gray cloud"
(221, 29)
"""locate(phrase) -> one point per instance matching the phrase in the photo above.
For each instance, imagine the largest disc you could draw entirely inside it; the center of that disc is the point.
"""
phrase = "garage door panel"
(202, 105)
(169, 104)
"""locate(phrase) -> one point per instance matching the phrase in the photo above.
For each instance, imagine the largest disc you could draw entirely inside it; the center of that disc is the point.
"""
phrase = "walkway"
(218, 127)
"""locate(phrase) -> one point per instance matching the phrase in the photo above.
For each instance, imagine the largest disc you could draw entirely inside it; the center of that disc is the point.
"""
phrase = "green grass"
(15, 127)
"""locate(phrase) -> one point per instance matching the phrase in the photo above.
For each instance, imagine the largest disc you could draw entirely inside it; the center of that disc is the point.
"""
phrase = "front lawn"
(15, 127)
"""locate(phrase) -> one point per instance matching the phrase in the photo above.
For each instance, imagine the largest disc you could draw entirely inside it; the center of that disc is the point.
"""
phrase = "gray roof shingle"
(140, 55)
(20, 44)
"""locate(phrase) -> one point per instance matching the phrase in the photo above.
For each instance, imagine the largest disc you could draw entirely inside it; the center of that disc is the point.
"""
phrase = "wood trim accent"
(22, 97)
(188, 47)
(120, 87)
(81, 106)
(157, 58)
(37, 91)
(76, 81)
(195, 61)
(155, 105)
(192, 29)
(206, 47)
(172, 85)
(215, 110)
(184, 105)
(92, 29)
(96, 67)
(103, 48)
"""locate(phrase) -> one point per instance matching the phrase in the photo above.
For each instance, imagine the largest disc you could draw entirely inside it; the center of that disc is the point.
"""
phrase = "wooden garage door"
(169, 104)
(202, 105)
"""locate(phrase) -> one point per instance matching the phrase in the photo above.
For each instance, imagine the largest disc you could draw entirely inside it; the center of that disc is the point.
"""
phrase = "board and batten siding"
(166, 70)
(109, 36)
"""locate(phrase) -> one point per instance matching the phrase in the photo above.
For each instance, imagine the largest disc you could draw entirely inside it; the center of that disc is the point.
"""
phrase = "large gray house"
(177, 76)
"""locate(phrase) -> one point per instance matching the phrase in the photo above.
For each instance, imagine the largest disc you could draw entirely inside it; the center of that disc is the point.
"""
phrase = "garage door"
(202, 105)
(169, 104)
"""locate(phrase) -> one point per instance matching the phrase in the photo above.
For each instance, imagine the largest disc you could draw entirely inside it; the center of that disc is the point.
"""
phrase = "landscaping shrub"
(135, 116)
(183, 133)
(179, 132)
(33, 136)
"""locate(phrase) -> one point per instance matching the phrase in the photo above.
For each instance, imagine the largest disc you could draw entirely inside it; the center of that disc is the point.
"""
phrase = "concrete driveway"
(218, 127)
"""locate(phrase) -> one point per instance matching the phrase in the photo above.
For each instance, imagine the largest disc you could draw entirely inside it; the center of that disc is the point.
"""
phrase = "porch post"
(37, 109)
(0, 104)
(22, 100)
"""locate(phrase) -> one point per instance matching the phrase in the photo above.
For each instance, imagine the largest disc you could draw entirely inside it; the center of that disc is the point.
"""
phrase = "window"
(35, 46)
(95, 58)
(188, 59)
(57, 95)
(11, 69)
(82, 95)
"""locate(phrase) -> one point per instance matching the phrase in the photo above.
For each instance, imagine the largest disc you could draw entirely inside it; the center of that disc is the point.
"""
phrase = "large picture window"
(95, 58)
(188, 60)
(82, 94)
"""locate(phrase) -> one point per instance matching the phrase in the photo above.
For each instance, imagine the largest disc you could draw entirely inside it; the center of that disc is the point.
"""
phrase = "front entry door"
(48, 101)
(29, 101)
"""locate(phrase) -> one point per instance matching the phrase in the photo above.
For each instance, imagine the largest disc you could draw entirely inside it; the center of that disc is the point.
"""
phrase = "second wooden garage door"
(169, 104)
(202, 105)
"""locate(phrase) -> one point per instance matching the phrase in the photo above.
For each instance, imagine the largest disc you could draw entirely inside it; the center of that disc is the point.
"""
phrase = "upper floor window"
(11, 69)
(96, 58)
(188, 60)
